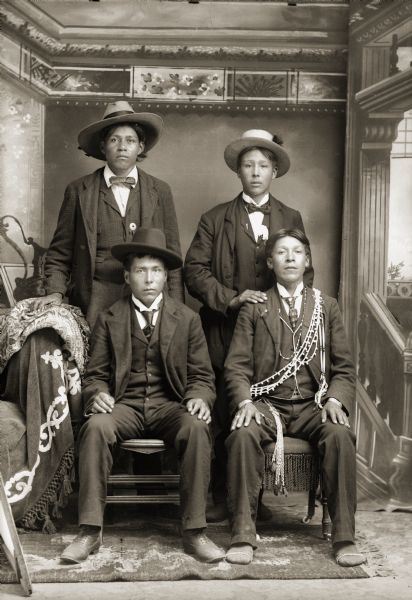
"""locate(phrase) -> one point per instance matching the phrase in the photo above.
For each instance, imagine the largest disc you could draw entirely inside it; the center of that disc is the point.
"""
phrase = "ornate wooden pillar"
(378, 135)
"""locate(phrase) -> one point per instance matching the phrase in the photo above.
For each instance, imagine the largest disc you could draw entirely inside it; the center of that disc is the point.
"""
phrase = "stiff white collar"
(285, 294)
(250, 200)
(153, 306)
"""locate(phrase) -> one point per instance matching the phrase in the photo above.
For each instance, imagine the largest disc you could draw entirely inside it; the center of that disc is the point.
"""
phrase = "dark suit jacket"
(182, 346)
(254, 351)
(209, 267)
(70, 260)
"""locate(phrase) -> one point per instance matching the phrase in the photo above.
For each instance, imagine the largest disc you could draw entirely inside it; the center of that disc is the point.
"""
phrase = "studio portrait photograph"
(205, 299)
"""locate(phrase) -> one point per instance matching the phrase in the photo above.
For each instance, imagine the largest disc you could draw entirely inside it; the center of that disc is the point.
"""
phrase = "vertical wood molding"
(373, 223)
(375, 65)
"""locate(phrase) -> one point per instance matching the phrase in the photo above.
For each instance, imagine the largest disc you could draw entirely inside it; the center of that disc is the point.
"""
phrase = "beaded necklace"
(302, 355)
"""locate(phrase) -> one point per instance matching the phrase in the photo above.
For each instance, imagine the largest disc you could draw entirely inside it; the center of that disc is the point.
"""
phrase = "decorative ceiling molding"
(53, 49)
(393, 94)
(388, 15)
(232, 107)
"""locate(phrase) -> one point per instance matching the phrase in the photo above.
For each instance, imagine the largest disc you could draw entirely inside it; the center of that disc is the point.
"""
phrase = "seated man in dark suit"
(289, 370)
(149, 373)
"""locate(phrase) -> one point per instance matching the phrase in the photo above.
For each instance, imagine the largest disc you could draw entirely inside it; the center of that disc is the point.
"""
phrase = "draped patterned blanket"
(42, 357)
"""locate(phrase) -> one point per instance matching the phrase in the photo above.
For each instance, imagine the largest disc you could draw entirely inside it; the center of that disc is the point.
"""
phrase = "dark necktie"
(127, 181)
(251, 208)
(293, 313)
(148, 315)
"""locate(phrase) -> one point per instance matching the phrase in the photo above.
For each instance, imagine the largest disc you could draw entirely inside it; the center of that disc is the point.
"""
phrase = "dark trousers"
(220, 427)
(336, 447)
(161, 418)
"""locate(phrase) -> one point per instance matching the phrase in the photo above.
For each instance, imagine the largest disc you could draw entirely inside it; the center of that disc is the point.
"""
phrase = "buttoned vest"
(113, 229)
(304, 382)
(147, 378)
(250, 268)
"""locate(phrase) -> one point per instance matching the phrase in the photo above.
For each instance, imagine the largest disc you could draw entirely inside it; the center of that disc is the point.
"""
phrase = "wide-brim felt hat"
(148, 241)
(262, 139)
(119, 112)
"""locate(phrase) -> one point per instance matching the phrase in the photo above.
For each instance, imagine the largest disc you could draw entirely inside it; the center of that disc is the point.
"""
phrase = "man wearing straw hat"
(106, 208)
(149, 373)
(226, 268)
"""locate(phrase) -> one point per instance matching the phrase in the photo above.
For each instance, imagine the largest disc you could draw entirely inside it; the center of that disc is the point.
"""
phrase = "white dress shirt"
(121, 192)
(256, 218)
(155, 306)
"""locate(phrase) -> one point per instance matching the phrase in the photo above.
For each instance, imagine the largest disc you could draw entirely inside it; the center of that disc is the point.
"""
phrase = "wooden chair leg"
(311, 507)
(326, 522)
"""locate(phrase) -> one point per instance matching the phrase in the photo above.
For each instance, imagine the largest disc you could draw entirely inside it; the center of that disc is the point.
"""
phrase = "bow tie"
(251, 208)
(128, 181)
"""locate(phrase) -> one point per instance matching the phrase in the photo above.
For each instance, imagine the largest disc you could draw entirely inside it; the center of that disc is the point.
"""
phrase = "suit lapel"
(89, 203)
(108, 196)
(276, 218)
(230, 223)
(148, 198)
(169, 320)
(136, 330)
(314, 365)
(119, 326)
(271, 316)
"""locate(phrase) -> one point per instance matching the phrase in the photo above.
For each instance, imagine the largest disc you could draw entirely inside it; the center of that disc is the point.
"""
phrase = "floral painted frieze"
(172, 84)
(181, 84)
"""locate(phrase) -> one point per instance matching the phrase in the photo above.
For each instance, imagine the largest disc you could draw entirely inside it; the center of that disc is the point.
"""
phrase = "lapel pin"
(132, 227)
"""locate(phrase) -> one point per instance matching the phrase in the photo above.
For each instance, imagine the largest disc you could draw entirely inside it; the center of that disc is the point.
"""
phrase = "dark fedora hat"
(148, 241)
(119, 112)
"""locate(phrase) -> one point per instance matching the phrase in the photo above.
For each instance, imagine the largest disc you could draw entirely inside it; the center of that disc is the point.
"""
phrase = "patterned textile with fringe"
(42, 356)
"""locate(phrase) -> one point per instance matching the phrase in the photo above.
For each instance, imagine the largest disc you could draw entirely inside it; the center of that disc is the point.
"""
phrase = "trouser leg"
(192, 440)
(336, 446)
(246, 463)
(220, 428)
(96, 441)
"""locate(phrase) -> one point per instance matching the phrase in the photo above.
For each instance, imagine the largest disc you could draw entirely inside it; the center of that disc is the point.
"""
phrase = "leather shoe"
(196, 542)
(240, 554)
(88, 541)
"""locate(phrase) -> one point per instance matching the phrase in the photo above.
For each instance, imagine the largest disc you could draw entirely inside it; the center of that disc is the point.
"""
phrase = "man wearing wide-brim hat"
(106, 208)
(226, 266)
(149, 372)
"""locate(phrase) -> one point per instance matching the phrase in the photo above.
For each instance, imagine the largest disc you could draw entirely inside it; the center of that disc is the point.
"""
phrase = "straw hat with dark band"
(261, 139)
(119, 112)
(148, 241)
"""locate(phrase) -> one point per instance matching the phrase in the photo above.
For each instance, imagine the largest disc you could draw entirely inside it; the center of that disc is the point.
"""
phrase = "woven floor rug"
(150, 549)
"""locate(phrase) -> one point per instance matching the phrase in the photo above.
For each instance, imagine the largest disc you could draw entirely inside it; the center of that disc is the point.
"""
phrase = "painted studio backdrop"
(346, 123)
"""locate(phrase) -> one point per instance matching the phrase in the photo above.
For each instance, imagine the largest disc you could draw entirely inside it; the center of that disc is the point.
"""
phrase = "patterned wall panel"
(21, 166)
(178, 84)
(315, 87)
(250, 85)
